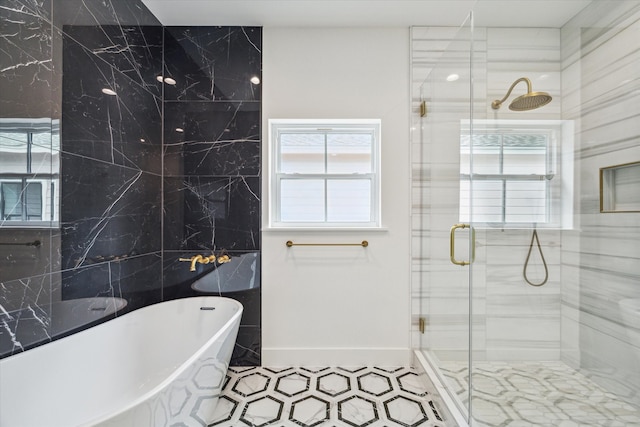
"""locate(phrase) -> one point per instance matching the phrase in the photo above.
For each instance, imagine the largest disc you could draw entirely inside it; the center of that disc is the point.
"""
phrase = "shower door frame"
(446, 299)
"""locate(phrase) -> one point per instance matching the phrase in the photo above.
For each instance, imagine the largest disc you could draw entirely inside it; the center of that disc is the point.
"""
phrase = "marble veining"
(537, 393)
(135, 51)
(328, 396)
(212, 138)
(212, 213)
(57, 60)
(26, 60)
(122, 129)
(213, 63)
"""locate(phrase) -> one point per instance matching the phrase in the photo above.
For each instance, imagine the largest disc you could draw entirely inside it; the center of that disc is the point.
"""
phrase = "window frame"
(559, 141)
(49, 181)
(278, 127)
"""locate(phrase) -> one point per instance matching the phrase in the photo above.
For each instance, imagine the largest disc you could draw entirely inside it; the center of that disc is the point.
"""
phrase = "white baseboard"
(336, 357)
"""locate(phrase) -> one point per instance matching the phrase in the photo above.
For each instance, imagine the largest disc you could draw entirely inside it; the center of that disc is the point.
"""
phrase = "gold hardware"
(194, 259)
(423, 108)
(421, 324)
(529, 101)
(452, 244)
(205, 260)
(364, 244)
(607, 174)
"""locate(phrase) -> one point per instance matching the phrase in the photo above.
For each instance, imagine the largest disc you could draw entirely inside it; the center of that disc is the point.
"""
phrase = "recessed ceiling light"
(108, 91)
(452, 77)
(180, 130)
(255, 80)
(169, 81)
(159, 78)
(142, 140)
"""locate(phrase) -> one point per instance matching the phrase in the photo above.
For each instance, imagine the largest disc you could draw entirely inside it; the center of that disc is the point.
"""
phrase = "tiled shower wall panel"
(212, 168)
(107, 242)
(601, 262)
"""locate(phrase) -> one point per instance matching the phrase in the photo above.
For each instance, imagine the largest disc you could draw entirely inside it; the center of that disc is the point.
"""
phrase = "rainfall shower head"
(529, 101)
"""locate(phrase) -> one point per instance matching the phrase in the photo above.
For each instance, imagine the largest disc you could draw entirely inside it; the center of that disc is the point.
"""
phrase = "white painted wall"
(339, 305)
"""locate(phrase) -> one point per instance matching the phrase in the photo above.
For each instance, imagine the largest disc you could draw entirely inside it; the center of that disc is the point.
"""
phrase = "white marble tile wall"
(428, 45)
(601, 261)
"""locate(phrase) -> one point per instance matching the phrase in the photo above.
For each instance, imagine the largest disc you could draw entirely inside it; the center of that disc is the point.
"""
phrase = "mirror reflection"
(29, 172)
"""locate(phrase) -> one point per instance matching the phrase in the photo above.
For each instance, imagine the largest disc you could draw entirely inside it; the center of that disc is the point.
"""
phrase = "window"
(513, 174)
(29, 163)
(325, 173)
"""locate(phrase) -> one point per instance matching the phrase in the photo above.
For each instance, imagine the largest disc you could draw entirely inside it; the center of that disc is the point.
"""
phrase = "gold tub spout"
(193, 260)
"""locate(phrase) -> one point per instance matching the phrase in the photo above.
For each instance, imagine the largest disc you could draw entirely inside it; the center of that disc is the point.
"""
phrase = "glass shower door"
(446, 296)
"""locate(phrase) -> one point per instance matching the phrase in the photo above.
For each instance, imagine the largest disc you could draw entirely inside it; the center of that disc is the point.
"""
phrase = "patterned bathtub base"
(538, 394)
(331, 397)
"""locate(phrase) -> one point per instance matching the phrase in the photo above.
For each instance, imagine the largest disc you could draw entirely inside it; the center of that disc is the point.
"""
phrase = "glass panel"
(11, 202)
(302, 153)
(526, 201)
(525, 154)
(486, 154)
(349, 200)
(444, 287)
(33, 201)
(42, 140)
(349, 153)
(302, 200)
(487, 201)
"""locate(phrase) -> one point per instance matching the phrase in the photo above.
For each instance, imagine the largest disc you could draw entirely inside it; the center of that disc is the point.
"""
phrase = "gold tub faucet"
(204, 260)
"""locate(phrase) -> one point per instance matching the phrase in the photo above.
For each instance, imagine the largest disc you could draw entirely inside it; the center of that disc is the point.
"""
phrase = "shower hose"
(534, 236)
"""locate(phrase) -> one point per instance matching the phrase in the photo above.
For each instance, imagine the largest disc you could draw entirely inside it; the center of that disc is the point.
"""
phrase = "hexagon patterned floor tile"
(330, 397)
(537, 393)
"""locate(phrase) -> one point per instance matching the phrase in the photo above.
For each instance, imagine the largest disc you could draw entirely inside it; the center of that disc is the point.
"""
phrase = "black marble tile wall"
(56, 58)
(137, 279)
(212, 169)
(213, 63)
(27, 98)
(92, 71)
(135, 51)
(207, 213)
(27, 59)
(111, 163)
(123, 128)
(119, 215)
(212, 138)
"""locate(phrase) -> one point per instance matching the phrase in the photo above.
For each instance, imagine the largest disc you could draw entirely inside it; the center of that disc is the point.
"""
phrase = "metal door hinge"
(421, 324)
(423, 109)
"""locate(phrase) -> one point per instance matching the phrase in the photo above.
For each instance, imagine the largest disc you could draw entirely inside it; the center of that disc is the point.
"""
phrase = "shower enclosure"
(526, 285)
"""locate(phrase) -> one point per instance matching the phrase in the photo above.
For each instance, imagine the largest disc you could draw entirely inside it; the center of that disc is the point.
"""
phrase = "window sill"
(322, 229)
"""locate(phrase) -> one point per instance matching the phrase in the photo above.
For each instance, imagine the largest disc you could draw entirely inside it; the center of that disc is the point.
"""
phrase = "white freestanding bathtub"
(160, 365)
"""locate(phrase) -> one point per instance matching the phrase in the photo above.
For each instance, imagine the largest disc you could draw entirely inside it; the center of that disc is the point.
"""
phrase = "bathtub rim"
(230, 322)
(180, 369)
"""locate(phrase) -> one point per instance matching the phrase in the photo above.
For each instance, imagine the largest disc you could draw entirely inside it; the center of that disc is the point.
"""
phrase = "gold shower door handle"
(452, 244)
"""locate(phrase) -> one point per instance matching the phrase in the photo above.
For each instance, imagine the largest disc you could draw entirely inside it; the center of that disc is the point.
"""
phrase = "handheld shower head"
(529, 101)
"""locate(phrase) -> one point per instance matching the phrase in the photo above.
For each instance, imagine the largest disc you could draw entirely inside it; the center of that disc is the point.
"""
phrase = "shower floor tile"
(510, 394)
(328, 396)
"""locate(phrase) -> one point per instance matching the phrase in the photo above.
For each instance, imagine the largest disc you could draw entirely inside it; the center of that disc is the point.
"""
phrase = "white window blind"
(509, 177)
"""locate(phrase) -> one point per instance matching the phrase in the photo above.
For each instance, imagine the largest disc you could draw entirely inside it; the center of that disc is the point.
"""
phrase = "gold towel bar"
(364, 244)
